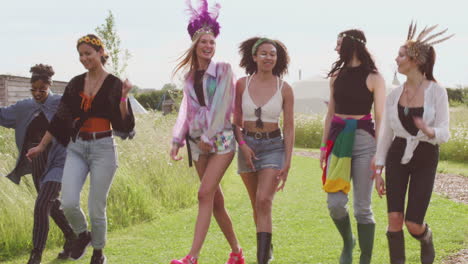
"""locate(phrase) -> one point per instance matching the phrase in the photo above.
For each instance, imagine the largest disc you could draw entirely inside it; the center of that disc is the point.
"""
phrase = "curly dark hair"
(42, 72)
(250, 66)
(350, 47)
(105, 57)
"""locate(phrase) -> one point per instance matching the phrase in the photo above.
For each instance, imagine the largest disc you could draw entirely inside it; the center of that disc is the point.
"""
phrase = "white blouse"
(436, 115)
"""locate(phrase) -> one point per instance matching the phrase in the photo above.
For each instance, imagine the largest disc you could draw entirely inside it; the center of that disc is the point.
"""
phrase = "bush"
(458, 96)
(151, 100)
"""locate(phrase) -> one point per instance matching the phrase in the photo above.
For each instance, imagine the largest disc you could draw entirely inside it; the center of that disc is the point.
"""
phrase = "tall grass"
(308, 130)
(309, 134)
(147, 185)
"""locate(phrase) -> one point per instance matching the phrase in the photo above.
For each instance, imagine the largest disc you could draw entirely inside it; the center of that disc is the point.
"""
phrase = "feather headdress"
(202, 20)
(418, 48)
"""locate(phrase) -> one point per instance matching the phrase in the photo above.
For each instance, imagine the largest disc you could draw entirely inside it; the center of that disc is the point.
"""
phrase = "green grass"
(453, 167)
(303, 232)
(147, 186)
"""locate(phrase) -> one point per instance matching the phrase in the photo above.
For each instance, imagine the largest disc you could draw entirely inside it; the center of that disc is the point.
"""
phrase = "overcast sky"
(155, 33)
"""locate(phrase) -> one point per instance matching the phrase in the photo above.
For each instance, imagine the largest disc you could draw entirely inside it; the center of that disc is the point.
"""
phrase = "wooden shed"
(15, 88)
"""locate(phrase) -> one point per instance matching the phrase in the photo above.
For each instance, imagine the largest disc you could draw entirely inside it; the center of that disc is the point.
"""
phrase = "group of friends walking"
(62, 139)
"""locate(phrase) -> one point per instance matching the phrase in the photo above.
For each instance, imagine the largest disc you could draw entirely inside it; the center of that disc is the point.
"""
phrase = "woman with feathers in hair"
(416, 122)
(348, 143)
(204, 125)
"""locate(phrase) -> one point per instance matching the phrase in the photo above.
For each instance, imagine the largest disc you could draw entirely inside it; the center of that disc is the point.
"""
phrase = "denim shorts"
(269, 153)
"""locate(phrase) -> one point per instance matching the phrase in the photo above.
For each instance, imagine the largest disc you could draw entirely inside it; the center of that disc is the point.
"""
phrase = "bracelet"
(323, 148)
(123, 99)
(323, 145)
(242, 142)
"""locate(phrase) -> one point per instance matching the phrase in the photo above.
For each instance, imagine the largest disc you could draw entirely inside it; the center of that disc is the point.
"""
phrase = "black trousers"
(417, 178)
(47, 204)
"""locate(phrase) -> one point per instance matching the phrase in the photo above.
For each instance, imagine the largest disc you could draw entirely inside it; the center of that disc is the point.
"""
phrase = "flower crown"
(91, 40)
(201, 21)
(344, 35)
(418, 49)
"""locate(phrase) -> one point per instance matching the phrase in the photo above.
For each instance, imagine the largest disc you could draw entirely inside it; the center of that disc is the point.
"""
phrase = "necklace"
(408, 101)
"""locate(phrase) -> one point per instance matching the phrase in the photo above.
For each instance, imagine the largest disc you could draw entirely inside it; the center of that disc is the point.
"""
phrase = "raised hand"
(126, 87)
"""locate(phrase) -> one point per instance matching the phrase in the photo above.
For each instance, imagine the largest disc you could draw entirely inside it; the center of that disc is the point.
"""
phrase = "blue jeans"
(99, 158)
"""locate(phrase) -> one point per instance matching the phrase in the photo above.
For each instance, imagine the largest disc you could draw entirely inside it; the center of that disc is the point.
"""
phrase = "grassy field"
(147, 186)
(309, 134)
(303, 231)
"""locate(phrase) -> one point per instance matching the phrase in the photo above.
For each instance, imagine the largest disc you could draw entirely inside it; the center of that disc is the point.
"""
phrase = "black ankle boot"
(270, 253)
(396, 246)
(263, 247)
(67, 247)
(427, 247)
(98, 257)
(80, 245)
(36, 256)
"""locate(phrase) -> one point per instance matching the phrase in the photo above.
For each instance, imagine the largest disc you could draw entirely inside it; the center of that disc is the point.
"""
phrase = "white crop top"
(270, 111)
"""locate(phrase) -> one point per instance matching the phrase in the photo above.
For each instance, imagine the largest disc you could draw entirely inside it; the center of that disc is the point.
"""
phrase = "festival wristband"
(242, 142)
(123, 99)
(323, 148)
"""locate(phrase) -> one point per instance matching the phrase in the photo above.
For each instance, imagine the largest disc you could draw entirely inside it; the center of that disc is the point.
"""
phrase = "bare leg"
(216, 166)
(219, 211)
(251, 182)
(266, 189)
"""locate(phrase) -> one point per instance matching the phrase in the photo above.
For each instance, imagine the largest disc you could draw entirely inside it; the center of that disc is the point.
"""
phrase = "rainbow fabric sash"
(336, 175)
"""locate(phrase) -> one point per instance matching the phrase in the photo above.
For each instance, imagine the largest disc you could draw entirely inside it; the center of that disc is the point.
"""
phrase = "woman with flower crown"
(348, 143)
(415, 123)
(93, 108)
(204, 125)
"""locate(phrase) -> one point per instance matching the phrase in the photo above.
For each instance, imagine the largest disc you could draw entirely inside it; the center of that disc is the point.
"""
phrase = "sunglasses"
(258, 114)
(38, 91)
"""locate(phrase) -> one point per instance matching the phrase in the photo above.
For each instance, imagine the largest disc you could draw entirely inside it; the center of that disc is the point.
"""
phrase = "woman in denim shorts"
(264, 156)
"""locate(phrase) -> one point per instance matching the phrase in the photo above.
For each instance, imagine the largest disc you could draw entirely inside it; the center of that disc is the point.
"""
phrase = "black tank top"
(407, 119)
(198, 85)
(352, 97)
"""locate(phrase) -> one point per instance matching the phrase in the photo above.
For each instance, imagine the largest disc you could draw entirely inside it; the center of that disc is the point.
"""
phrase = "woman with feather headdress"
(204, 125)
(416, 121)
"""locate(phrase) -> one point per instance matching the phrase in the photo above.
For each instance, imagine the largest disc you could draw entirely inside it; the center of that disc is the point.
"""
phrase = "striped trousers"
(47, 204)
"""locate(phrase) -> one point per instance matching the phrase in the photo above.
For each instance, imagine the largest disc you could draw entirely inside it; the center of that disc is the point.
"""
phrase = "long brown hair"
(350, 47)
(428, 68)
(188, 60)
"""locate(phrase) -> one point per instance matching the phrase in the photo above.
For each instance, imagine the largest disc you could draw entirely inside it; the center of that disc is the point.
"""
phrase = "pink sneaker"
(236, 258)
(187, 260)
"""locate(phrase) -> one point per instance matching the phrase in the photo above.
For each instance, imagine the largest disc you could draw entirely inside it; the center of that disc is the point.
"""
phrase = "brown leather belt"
(94, 135)
(263, 135)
